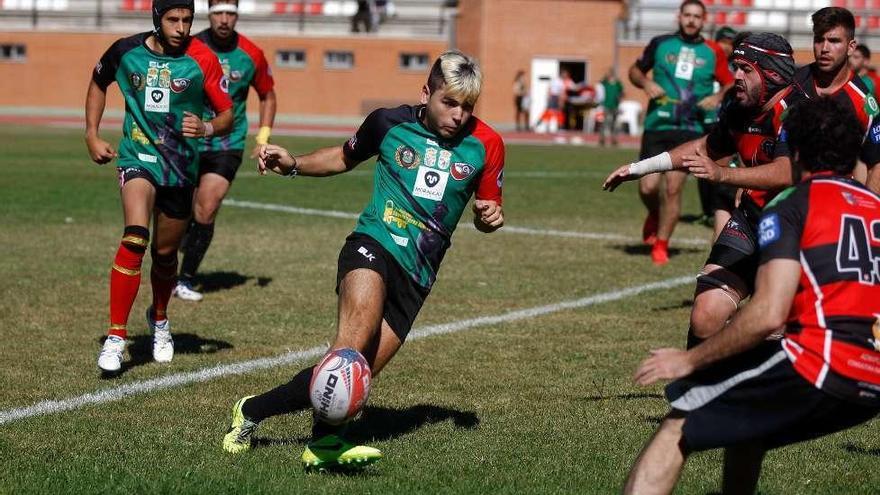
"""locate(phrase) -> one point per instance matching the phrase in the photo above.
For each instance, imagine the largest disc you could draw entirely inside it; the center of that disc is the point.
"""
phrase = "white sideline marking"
(178, 379)
(599, 236)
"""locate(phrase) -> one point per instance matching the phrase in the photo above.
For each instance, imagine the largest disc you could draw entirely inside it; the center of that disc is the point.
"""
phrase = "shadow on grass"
(858, 449)
(140, 348)
(217, 281)
(645, 250)
(377, 424)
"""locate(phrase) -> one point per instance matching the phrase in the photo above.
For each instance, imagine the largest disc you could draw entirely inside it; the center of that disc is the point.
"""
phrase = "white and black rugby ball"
(340, 386)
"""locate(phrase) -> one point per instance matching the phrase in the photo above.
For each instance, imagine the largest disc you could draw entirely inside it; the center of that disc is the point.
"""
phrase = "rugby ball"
(340, 386)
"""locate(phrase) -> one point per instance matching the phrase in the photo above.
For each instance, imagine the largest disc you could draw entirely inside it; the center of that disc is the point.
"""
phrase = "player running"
(166, 78)
(819, 276)
(431, 158)
(684, 67)
(244, 65)
(750, 122)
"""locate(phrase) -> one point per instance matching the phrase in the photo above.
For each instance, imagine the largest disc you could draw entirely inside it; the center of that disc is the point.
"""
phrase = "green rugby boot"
(238, 438)
(332, 451)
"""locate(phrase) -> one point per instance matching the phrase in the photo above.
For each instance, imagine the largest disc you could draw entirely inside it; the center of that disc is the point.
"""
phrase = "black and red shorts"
(736, 248)
(758, 398)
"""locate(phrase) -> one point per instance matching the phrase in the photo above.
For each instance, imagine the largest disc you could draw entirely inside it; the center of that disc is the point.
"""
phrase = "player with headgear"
(167, 79)
(750, 124)
(245, 65)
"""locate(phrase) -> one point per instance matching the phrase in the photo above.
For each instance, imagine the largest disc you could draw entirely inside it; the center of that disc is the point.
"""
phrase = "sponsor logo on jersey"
(400, 217)
(98, 67)
(875, 134)
(235, 75)
(430, 184)
(461, 171)
(180, 84)
(352, 142)
(406, 157)
(224, 84)
(768, 146)
(431, 142)
(367, 254)
(137, 81)
(769, 230)
(157, 100)
(500, 181)
(871, 107)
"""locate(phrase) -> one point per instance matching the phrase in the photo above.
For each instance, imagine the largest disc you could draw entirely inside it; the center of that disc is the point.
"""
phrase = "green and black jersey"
(244, 64)
(687, 70)
(423, 183)
(158, 89)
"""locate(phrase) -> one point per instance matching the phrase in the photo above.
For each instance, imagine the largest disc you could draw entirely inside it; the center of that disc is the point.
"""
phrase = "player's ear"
(425, 95)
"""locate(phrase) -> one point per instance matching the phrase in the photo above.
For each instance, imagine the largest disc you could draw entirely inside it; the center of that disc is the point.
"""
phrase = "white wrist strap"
(657, 163)
(209, 129)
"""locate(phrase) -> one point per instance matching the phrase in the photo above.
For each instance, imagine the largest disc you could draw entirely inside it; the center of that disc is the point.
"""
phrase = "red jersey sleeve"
(492, 178)
(216, 84)
(722, 67)
(262, 81)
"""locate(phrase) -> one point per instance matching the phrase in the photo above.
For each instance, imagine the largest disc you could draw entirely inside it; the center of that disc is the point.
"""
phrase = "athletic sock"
(284, 399)
(198, 240)
(125, 277)
(321, 429)
(163, 277)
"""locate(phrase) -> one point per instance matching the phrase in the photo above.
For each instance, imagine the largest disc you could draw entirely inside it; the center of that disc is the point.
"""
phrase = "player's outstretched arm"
(775, 287)
(668, 160)
(488, 215)
(100, 151)
(320, 163)
(268, 105)
(773, 175)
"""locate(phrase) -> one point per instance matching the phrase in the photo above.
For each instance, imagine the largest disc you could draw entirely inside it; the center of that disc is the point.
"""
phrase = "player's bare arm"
(268, 106)
(769, 176)
(488, 215)
(642, 81)
(776, 285)
(320, 163)
(100, 151)
(673, 159)
(712, 101)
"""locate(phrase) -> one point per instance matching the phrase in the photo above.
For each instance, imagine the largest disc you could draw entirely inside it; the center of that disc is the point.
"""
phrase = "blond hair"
(460, 74)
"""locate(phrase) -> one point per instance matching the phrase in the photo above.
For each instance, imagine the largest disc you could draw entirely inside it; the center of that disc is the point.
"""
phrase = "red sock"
(163, 277)
(662, 245)
(125, 277)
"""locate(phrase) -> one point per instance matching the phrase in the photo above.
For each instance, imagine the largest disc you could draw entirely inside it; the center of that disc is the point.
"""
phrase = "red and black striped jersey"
(755, 135)
(831, 225)
(857, 97)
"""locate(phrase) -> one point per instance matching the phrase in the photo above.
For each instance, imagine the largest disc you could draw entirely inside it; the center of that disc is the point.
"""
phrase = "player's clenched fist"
(100, 151)
(488, 216)
(194, 127)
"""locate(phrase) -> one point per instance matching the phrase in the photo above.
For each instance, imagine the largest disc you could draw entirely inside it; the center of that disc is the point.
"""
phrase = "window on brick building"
(414, 61)
(338, 60)
(294, 59)
(13, 52)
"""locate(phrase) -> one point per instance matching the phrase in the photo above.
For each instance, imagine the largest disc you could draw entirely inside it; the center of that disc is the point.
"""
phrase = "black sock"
(693, 340)
(321, 429)
(198, 238)
(284, 399)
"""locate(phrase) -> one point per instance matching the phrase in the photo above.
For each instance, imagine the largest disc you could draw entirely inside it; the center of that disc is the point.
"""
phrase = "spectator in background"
(366, 15)
(612, 92)
(569, 89)
(520, 93)
(859, 61)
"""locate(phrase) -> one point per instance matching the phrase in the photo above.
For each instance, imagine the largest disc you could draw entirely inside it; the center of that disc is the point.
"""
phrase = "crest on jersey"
(224, 84)
(137, 81)
(235, 75)
(180, 84)
(461, 171)
(871, 107)
(406, 157)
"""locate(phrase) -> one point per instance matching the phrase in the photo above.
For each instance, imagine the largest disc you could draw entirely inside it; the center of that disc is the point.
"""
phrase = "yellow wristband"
(263, 135)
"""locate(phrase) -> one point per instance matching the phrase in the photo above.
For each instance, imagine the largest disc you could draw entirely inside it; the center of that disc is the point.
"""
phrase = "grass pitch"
(541, 405)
